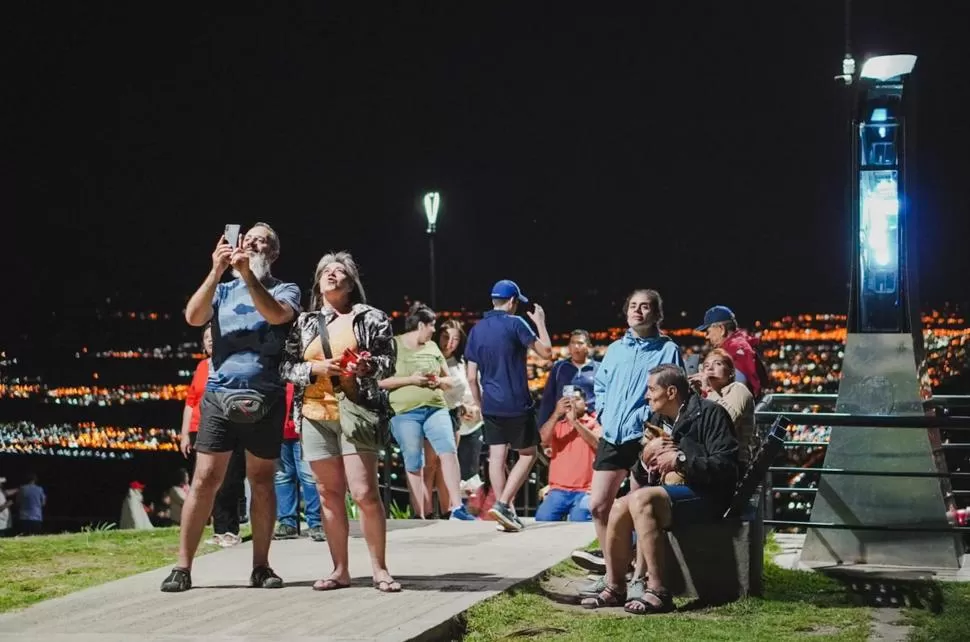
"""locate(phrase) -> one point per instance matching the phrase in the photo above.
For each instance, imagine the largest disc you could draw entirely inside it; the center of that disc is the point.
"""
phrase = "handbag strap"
(325, 343)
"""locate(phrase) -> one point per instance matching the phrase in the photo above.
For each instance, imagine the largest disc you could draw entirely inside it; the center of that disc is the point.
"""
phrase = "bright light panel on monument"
(879, 206)
(880, 222)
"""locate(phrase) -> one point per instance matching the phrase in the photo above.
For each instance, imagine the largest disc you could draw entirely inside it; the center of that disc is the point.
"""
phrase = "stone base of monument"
(716, 563)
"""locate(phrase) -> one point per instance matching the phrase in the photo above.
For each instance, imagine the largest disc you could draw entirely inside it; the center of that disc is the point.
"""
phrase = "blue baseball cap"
(717, 314)
(506, 289)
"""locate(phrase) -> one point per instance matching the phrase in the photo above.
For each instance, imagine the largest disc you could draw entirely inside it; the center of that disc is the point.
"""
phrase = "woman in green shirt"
(420, 410)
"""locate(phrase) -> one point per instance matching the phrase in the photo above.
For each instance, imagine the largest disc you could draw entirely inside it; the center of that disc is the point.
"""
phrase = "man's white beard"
(258, 265)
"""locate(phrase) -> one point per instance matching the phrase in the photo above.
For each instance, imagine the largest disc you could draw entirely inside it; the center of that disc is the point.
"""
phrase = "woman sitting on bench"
(716, 382)
(702, 448)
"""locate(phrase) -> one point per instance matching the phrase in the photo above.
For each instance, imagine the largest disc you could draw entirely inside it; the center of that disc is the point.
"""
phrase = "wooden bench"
(723, 561)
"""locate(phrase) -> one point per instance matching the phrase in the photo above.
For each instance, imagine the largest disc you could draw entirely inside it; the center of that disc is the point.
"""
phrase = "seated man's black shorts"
(610, 456)
(219, 435)
(519, 432)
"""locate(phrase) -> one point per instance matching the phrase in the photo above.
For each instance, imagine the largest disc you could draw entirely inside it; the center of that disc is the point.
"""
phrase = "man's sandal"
(647, 608)
(609, 596)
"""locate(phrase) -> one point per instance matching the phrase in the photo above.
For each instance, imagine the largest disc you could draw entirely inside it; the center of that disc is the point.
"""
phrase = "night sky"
(696, 149)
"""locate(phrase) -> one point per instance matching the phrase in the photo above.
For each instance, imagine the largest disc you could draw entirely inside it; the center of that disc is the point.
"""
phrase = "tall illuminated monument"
(883, 353)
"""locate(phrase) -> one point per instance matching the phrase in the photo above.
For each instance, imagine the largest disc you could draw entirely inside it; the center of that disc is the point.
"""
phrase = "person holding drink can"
(421, 412)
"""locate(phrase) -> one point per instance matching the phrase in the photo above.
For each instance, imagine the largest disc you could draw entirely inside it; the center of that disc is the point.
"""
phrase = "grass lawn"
(38, 568)
(796, 606)
(951, 624)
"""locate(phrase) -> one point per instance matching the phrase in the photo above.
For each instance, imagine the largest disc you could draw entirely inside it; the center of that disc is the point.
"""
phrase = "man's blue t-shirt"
(31, 499)
(246, 349)
(499, 344)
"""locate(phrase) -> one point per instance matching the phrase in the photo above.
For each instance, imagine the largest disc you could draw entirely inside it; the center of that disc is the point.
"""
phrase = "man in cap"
(496, 354)
(721, 329)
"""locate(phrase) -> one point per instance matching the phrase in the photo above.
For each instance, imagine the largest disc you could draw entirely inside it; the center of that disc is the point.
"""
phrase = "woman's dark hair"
(453, 324)
(670, 375)
(418, 313)
(655, 300)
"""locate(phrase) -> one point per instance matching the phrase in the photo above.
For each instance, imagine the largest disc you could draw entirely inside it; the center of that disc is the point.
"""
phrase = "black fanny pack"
(244, 406)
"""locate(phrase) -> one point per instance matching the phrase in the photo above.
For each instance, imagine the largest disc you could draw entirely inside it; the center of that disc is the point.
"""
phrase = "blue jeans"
(290, 469)
(558, 504)
(411, 428)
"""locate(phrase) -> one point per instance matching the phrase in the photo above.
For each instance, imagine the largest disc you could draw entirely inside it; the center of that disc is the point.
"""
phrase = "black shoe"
(590, 560)
(177, 581)
(284, 531)
(264, 577)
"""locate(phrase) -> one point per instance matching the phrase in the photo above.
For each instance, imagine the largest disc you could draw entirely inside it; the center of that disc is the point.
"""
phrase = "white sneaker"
(230, 539)
(215, 540)
(471, 485)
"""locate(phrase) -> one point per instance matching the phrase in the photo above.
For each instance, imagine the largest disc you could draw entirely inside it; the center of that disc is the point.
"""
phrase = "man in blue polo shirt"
(244, 404)
(496, 355)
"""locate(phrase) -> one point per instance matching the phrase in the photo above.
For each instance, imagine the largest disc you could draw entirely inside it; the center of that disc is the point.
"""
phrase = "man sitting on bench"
(701, 447)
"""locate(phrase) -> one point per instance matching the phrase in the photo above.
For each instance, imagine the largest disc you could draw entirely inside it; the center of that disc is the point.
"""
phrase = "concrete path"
(445, 568)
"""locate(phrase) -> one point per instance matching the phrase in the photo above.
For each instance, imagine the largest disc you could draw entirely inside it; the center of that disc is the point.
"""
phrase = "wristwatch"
(681, 459)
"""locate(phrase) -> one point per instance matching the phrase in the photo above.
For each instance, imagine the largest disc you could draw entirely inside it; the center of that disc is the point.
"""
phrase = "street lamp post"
(432, 202)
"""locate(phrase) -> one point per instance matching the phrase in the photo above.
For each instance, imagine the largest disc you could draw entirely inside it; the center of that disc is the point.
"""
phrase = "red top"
(738, 345)
(571, 467)
(196, 389)
(289, 428)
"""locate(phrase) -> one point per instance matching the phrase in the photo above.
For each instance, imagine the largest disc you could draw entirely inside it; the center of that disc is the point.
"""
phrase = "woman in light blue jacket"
(620, 387)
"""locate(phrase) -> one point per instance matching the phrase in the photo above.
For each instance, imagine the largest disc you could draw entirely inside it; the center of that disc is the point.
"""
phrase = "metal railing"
(942, 404)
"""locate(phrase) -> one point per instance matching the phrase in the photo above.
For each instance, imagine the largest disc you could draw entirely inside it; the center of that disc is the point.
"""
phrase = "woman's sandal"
(388, 586)
(329, 584)
(610, 596)
(666, 603)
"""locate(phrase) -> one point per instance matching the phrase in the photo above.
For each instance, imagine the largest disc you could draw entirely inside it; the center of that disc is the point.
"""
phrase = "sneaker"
(505, 516)
(595, 587)
(177, 581)
(230, 539)
(635, 588)
(461, 513)
(590, 560)
(264, 577)
(470, 486)
(518, 522)
(215, 540)
(285, 531)
(316, 534)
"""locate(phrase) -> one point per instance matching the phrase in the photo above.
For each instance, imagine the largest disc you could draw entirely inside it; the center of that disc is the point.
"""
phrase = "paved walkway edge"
(444, 567)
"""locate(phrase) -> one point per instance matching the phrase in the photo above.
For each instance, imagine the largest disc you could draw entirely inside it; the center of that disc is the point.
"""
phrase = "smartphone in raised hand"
(232, 234)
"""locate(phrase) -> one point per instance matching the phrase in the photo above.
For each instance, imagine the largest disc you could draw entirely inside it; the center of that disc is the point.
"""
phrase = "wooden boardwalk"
(444, 567)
